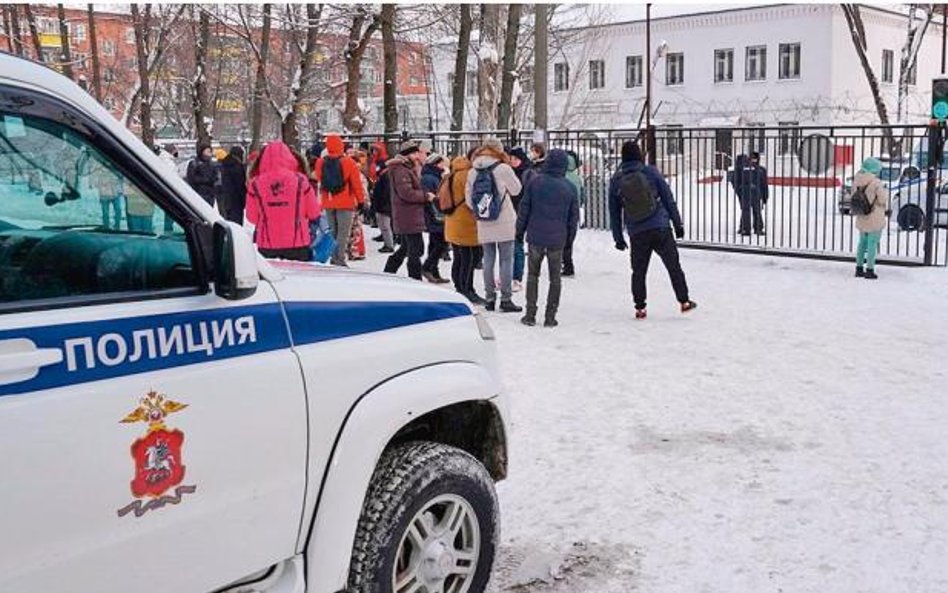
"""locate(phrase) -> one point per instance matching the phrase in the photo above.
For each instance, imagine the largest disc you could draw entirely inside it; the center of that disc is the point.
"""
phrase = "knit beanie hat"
(631, 152)
(872, 165)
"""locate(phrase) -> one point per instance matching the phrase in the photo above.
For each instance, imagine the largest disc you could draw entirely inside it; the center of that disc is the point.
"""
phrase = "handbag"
(323, 243)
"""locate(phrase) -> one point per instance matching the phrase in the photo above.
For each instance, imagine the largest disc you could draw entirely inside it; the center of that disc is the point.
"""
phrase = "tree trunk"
(510, 66)
(352, 117)
(289, 129)
(65, 56)
(15, 29)
(909, 54)
(460, 68)
(540, 64)
(487, 67)
(391, 69)
(7, 31)
(259, 85)
(141, 23)
(858, 32)
(199, 84)
(94, 51)
(34, 33)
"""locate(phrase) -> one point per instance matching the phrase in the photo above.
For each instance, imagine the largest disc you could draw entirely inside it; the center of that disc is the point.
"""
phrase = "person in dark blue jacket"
(749, 180)
(651, 234)
(431, 174)
(548, 216)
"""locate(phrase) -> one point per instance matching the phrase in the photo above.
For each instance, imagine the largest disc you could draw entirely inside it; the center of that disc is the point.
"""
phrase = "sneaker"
(688, 306)
(860, 272)
(378, 239)
(490, 304)
(528, 321)
(871, 274)
(515, 286)
(568, 272)
(386, 250)
(510, 307)
(440, 280)
(640, 314)
(550, 323)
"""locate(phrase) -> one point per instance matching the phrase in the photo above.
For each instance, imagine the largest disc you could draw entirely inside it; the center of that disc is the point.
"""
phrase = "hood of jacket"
(399, 160)
(334, 146)
(484, 161)
(627, 166)
(863, 179)
(276, 157)
(571, 164)
(432, 170)
(556, 163)
(459, 164)
(741, 162)
(381, 153)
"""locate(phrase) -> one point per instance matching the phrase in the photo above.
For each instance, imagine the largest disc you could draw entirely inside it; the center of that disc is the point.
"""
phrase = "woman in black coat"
(233, 193)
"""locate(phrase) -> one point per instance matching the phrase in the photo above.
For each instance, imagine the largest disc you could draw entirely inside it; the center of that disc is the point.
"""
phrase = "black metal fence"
(810, 172)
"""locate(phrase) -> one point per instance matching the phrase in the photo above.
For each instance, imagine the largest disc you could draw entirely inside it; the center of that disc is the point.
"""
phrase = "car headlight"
(487, 332)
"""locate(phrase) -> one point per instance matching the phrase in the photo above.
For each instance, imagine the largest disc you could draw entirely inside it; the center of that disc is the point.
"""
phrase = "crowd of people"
(502, 210)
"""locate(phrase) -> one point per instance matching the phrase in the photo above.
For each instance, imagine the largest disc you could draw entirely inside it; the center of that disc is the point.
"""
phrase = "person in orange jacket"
(341, 193)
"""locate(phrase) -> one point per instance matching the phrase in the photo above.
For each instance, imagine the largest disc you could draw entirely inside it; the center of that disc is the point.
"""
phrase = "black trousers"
(411, 247)
(662, 242)
(751, 208)
(437, 247)
(462, 269)
(568, 267)
(294, 253)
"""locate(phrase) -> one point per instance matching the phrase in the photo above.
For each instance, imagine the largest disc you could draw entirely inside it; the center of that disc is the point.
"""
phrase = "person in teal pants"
(870, 225)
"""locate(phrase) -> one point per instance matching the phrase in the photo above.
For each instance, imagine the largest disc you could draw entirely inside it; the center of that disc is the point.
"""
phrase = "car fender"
(371, 423)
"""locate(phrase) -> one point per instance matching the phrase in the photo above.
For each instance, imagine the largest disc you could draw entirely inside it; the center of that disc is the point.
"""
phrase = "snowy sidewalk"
(789, 435)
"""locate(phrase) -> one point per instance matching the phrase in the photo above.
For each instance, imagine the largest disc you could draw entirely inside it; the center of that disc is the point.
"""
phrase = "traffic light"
(940, 98)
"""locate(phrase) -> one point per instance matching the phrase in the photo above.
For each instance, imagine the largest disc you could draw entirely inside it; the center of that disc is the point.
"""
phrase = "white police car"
(176, 414)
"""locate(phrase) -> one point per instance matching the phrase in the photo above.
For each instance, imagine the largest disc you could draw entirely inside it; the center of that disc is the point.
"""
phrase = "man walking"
(640, 198)
(409, 201)
(341, 192)
(549, 216)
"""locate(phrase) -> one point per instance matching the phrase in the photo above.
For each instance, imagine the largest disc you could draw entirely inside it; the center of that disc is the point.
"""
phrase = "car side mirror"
(235, 262)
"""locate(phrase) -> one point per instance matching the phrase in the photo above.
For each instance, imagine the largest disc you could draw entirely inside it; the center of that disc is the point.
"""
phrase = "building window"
(130, 36)
(789, 61)
(755, 138)
(912, 76)
(675, 69)
(788, 137)
(108, 48)
(597, 74)
(633, 71)
(108, 76)
(674, 140)
(413, 81)
(724, 65)
(451, 84)
(755, 65)
(470, 87)
(561, 76)
(108, 103)
(888, 65)
(79, 32)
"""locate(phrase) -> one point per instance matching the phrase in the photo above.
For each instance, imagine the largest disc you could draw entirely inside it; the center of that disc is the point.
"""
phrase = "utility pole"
(944, 35)
(540, 62)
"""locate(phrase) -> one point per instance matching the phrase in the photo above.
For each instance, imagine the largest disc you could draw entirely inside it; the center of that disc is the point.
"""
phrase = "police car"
(178, 414)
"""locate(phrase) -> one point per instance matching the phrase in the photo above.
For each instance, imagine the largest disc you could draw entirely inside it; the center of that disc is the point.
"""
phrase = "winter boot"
(871, 274)
(640, 314)
(491, 304)
(528, 320)
(688, 306)
(550, 322)
(509, 307)
(475, 299)
(860, 272)
(429, 277)
(568, 271)
(386, 249)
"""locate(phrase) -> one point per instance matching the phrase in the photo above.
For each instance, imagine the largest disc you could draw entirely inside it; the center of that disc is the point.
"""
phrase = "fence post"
(935, 155)
(650, 145)
(512, 138)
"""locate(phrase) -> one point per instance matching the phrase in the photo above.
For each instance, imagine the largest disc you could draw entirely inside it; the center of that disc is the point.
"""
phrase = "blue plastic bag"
(324, 244)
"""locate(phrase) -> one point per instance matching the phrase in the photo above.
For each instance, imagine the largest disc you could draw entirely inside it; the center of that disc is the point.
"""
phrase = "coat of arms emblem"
(159, 466)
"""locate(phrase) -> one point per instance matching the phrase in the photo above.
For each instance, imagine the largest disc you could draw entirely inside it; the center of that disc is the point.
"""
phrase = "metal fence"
(810, 173)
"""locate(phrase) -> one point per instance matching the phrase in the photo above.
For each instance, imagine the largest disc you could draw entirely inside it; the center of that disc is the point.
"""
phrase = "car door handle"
(21, 360)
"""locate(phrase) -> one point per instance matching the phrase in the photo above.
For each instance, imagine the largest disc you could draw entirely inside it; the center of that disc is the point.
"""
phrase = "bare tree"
(360, 34)
(857, 31)
(303, 75)
(488, 60)
(142, 27)
(65, 56)
(16, 34)
(460, 68)
(509, 76)
(199, 105)
(914, 36)
(7, 30)
(390, 68)
(34, 32)
(259, 84)
(94, 51)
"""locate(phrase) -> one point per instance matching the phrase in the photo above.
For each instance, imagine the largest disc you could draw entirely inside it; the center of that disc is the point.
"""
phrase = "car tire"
(911, 218)
(430, 517)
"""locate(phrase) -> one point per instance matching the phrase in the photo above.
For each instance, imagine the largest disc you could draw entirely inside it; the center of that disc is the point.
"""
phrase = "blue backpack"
(487, 202)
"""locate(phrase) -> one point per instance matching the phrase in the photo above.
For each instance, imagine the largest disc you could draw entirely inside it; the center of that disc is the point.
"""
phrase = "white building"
(779, 65)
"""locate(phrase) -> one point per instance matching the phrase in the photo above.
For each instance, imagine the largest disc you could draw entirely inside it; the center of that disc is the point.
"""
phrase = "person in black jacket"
(431, 175)
(233, 192)
(202, 174)
(382, 206)
(521, 164)
(549, 217)
(749, 180)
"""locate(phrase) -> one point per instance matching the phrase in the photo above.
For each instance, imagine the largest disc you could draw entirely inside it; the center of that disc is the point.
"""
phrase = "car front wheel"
(429, 524)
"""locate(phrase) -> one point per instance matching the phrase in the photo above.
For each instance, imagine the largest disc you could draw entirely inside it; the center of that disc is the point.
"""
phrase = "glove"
(621, 245)
(679, 232)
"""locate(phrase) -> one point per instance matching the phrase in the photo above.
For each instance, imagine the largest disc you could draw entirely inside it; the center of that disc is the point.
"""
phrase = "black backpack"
(332, 180)
(859, 204)
(639, 197)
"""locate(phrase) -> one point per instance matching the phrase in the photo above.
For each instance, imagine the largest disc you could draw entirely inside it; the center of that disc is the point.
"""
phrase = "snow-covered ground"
(789, 435)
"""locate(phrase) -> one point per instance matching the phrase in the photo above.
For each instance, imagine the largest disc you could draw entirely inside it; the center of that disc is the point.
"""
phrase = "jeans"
(867, 249)
(751, 207)
(519, 257)
(436, 249)
(140, 224)
(462, 269)
(116, 205)
(503, 251)
(385, 226)
(554, 263)
(662, 242)
(411, 246)
(340, 223)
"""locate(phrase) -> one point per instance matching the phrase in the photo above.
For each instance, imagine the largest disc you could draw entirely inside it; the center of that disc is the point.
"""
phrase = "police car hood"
(301, 281)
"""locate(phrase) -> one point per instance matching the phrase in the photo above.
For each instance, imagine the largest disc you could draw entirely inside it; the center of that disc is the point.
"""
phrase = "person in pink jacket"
(281, 203)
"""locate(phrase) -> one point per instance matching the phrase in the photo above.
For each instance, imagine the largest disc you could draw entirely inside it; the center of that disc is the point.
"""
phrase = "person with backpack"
(640, 198)
(870, 206)
(749, 180)
(340, 189)
(572, 175)
(460, 228)
(432, 174)
(281, 204)
(549, 217)
(409, 200)
(202, 174)
(488, 193)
